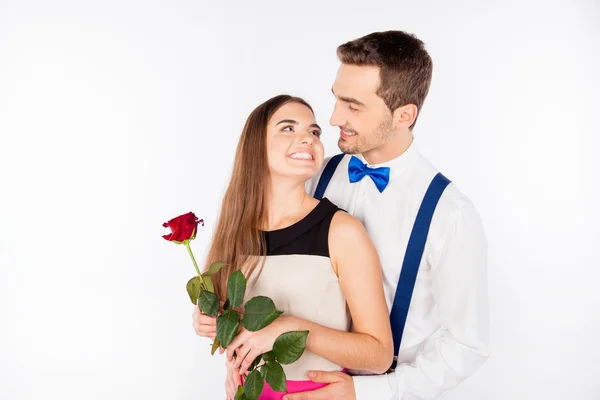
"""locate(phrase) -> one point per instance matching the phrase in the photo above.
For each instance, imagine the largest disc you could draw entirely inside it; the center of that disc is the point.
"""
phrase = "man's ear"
(405, 116)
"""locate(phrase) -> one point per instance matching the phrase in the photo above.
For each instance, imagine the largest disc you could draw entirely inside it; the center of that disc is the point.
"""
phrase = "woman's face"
(294, 147)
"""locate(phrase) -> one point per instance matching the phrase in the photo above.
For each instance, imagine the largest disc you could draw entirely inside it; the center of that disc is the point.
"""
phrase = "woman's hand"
(203, 324)
(248, 345)
(232, 381)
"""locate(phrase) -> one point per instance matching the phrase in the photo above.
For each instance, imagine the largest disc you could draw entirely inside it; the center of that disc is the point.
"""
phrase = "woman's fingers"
(248, 360)
(203, 324)
(241, 352)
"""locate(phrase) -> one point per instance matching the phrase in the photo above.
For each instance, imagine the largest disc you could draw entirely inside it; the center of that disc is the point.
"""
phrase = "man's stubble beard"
(381, 135)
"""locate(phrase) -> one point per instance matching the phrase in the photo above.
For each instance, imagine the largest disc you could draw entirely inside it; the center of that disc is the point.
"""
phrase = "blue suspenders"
(414, 250)
(326, 175)
(412, 259)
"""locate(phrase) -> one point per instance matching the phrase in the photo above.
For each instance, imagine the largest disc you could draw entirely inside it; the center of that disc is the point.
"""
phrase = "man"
(380, 88)
(428, 234)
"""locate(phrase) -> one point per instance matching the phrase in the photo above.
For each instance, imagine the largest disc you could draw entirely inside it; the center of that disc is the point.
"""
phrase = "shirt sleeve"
(459, 347)
(382, 387)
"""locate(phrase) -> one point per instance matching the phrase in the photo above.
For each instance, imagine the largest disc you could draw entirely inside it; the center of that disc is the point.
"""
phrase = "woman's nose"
(307, 138)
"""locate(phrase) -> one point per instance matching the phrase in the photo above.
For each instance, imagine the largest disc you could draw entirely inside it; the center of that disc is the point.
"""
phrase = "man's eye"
(352, 108)
(317, 133)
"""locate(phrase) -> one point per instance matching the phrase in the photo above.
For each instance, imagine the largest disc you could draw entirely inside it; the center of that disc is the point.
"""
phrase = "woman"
(314, 260)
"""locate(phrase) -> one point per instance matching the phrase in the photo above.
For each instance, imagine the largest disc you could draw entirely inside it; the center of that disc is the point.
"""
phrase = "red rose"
(183, 227)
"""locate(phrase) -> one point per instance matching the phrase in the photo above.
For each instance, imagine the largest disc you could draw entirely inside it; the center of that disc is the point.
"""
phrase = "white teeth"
(348, 133)
(301, 156)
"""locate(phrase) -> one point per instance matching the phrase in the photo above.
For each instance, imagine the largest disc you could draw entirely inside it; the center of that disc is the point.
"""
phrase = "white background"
(116, 116)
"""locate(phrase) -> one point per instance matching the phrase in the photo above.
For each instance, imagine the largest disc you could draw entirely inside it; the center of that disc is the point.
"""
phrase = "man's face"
(364, 120)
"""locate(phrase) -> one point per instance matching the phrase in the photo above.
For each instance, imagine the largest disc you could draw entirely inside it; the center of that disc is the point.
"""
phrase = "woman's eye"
(289, 127)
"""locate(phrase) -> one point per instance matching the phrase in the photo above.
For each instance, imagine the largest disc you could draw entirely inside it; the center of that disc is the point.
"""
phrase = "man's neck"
(390, 150)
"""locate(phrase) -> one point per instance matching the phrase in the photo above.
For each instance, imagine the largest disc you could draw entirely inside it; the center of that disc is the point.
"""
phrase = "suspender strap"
(412, 260)
(326, 175)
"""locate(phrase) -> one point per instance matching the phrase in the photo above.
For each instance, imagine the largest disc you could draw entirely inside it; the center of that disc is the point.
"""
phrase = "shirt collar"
(399, 164)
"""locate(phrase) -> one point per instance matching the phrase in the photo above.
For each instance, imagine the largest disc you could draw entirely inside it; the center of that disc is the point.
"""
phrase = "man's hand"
(340, 387)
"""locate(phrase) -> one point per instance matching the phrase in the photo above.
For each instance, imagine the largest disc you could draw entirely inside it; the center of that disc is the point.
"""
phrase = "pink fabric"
(292, 387)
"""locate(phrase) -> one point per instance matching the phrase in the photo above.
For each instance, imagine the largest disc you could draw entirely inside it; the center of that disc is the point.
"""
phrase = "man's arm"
(458, 348)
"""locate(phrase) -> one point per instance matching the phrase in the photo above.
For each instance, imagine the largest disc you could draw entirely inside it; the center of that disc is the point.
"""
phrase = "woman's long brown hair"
(237, 240)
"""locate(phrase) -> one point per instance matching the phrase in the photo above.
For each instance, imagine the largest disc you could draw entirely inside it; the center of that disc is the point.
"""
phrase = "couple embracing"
(373, 251)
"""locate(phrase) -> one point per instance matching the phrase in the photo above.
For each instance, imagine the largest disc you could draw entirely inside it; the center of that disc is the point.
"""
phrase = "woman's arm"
(357, 265)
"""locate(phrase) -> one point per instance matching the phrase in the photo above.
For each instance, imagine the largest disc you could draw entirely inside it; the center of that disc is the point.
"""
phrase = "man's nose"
(337, 119)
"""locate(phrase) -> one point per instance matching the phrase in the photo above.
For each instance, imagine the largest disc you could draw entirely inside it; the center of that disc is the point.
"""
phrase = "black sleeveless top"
(300, 279)
(309, 236)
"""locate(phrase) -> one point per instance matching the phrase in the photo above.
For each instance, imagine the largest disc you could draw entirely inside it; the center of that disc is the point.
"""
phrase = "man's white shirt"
(445, 337)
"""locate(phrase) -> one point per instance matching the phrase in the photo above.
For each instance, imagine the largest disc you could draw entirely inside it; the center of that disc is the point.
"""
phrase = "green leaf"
(236, 288)
(268, 356)
(254, 385)
(213, 269)
(259, 312)
(239, 395)
(226, 306)
(289, 346)
(209, 283)
(208, 303)
(262, 369)
(275, 376)
(227, 327)
(215, 346)
(256, 361)
(193, 289)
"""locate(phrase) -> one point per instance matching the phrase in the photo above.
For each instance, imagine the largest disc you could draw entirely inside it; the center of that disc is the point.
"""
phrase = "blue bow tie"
(357, 170)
